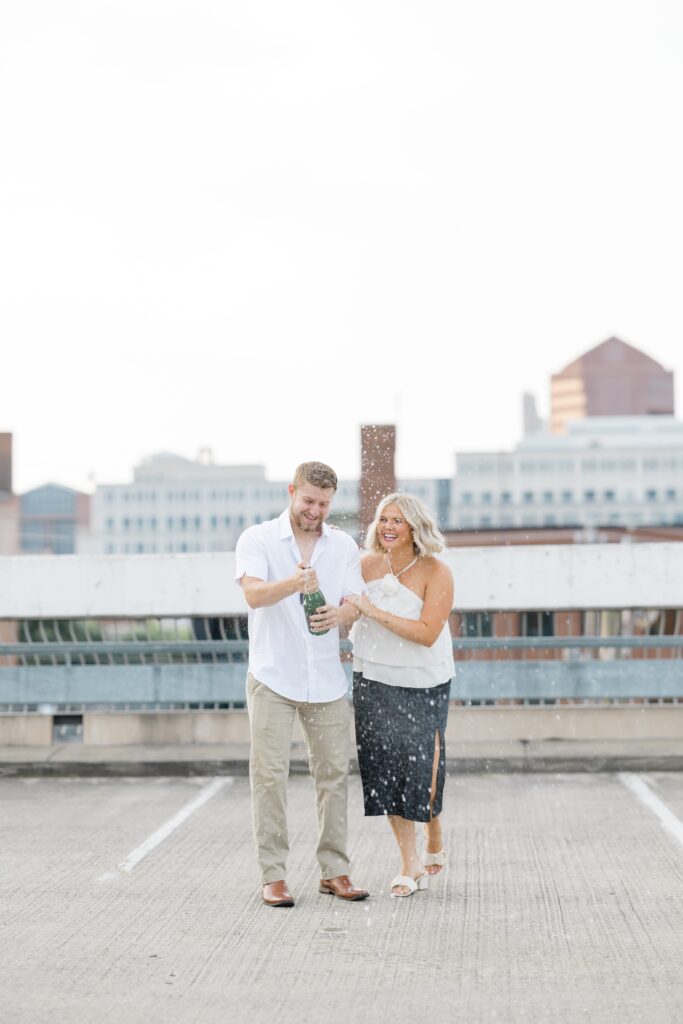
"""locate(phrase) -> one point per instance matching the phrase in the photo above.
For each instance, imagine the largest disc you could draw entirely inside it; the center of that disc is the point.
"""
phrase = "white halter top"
(387, 658)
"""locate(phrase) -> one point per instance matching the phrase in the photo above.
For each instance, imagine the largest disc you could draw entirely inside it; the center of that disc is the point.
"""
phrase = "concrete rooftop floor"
(562, 901)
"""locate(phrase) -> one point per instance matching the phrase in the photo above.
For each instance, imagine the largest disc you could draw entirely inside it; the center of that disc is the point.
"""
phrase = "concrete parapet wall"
(499, 578)
(581, 722)
(465, 725)
(164, 727)
(18, 730)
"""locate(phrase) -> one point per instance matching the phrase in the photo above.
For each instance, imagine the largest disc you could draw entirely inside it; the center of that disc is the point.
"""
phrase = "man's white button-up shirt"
(282, 653)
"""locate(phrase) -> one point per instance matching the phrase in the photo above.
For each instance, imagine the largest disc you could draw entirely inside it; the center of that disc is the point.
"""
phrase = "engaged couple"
(302, 580)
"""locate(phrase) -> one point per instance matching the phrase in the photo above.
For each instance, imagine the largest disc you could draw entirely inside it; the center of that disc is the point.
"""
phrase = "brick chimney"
(6, 463)
(377, 475)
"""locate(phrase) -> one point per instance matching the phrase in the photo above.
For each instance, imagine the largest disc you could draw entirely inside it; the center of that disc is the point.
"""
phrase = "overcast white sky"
(255, 225)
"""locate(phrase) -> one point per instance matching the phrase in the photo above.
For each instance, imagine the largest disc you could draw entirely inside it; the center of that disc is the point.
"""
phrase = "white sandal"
(435, 860)
(411, 884)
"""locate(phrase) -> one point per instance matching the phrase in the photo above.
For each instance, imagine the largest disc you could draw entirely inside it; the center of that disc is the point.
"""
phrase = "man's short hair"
(315, 473)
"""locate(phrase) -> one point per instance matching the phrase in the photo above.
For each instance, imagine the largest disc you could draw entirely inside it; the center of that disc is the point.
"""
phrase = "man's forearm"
(261, 594)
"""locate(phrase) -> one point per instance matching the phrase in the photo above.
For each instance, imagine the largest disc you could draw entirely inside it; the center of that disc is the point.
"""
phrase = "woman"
(403, 664)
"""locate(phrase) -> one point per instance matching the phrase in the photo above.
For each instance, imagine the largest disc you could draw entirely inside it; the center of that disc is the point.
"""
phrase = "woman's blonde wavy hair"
(427, 538)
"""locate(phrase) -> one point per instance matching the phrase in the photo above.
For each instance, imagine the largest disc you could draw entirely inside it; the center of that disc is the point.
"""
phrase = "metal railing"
(196, 664)
(168, 651)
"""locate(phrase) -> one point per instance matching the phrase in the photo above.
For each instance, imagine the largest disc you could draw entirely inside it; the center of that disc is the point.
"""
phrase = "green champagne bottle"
(311, 603)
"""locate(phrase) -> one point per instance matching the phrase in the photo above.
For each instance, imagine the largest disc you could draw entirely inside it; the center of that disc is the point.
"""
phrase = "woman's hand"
(361, 602)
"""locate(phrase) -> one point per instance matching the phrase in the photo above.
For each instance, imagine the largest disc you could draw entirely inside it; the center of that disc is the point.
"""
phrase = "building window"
(126, 523)
(589, 496)
(567, 497)
(671, 494)
(197, 522)
(486, 498)
(466, 498)
(528, 497)
(609, 495)
(651, 495)
(110, 525)
(537, 624)
(476, 624)
(506, 498)
(548, 497)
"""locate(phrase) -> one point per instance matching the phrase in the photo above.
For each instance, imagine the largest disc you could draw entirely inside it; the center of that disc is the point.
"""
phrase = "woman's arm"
(438, 604)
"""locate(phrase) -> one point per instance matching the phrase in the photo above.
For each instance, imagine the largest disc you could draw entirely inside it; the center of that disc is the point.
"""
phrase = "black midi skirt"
(396, 729)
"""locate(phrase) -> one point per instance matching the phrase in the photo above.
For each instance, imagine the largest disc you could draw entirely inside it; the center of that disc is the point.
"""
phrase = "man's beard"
(308, 525)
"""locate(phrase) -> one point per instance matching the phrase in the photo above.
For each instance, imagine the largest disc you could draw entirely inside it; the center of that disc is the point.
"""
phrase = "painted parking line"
(671, 823)
(167, 829)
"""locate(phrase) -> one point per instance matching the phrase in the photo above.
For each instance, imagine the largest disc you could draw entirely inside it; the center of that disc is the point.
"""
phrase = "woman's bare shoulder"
(372, 565)
(437, 570)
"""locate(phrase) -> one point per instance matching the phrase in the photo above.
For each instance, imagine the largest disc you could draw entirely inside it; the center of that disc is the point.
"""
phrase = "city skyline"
(256, 228)
(94, 480)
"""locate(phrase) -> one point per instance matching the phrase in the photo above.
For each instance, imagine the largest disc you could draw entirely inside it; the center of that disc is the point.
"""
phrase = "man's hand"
(329, 617)
(326, 617)
(261, 593)
(305, 579)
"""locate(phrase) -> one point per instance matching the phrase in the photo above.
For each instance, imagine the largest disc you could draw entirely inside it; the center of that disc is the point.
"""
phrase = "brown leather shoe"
(343, 888)
(276, 894)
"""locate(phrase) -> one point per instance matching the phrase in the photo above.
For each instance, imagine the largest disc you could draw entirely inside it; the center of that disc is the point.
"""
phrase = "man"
(293, 672)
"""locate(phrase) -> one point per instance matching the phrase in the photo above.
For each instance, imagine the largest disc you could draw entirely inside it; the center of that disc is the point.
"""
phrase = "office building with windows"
(51, 518)
(604, 471)
(175, 504)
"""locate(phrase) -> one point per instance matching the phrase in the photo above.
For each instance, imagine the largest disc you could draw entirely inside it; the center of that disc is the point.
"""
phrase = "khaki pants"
(326, 730)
